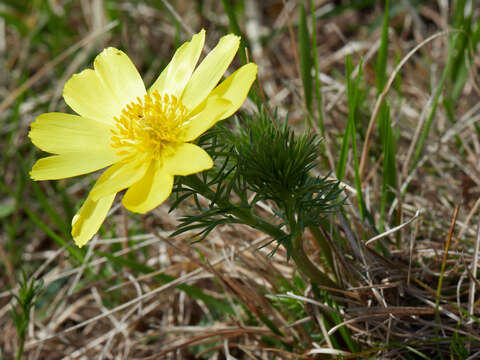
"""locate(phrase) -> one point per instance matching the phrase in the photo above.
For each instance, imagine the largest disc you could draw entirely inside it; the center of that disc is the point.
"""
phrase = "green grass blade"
(389, 176)
(305, 58)
(342, 158)
(235, 27)
(462, 20)
(318, 85)
(352, 98)
(337, 319)
(381, 64)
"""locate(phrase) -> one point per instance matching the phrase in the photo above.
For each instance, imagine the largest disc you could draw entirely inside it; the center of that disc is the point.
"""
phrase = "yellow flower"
(144, 136)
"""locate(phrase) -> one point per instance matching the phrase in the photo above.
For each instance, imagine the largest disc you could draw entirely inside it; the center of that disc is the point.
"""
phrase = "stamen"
(150, 127)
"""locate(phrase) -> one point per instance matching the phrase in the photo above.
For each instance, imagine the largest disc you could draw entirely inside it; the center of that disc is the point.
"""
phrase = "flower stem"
(306, 266)
(324, 245)
(20, 349)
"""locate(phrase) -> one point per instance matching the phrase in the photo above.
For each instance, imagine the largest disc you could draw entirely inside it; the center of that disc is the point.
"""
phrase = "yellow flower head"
(145, 136)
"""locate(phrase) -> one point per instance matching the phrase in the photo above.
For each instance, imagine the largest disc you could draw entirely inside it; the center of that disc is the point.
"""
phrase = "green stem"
(318, 91)
(306, 266)
(324, 245)
(20, 348)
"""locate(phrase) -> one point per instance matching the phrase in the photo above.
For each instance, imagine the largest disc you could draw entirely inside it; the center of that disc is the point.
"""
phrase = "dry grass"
(104, 309)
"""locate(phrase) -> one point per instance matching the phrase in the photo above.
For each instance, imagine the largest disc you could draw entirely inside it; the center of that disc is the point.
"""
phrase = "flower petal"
(210, 71)
(119, 75)
(59, 133)
(188, 159)
(236, 87)
(88, 96)
(148, 193)
(118, 177)
(175, 76)
(209, 113)
(71, 164)
(89, 218)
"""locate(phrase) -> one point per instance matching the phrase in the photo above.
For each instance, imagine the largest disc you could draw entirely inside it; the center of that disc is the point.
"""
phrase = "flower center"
(150, 127)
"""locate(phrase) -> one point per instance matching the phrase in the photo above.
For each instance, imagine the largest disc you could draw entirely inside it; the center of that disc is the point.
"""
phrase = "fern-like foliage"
(263, 160)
